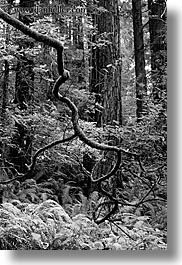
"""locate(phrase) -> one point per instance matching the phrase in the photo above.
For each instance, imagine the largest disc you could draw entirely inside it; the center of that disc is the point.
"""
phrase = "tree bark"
(6, 74)
(106, 62)
(141, 80)
(158, 46)
(5, 90)
(106, 79)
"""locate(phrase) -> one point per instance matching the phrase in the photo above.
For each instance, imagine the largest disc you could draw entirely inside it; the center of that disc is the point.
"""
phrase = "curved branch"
(32, 165)
(75, 118)
(104, 192)
(113, 170)
(36, 36)
(108, 215)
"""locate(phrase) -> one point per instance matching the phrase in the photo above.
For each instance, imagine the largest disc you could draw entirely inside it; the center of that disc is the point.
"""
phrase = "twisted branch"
(75, 117)
(78, 132)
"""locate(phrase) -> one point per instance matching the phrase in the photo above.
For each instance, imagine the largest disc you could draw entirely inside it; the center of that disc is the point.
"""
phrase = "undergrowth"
(46, 226)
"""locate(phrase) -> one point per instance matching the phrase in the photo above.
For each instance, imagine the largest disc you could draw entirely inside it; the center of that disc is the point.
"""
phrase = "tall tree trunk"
(106, 79)
(5, 91)
(3, 146)
(158, 46)
(141, 80)
(106, 62)
(6, 74)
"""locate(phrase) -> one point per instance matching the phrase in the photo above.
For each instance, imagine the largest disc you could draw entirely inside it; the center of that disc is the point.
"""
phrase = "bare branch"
(47, 147)
(32, 165)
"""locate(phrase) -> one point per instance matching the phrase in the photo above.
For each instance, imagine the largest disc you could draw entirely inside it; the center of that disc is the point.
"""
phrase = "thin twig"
(112, 221)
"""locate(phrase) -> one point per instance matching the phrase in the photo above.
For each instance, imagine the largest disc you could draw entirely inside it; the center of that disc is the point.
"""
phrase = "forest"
(83, 125)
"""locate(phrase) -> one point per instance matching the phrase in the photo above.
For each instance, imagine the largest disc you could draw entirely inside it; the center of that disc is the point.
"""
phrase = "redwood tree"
(141, 80)
(158, 46)
(106, 80)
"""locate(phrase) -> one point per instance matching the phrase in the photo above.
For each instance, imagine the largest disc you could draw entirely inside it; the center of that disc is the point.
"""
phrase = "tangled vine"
(78, 132)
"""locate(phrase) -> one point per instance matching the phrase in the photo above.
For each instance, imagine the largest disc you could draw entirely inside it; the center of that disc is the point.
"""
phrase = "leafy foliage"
(46, 226)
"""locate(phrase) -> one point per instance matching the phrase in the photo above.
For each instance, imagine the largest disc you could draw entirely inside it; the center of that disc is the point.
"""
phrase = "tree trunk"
(3, 118)
(141, 80)
(5, 90)
(6, 75)
(106, 80)
(158, 46)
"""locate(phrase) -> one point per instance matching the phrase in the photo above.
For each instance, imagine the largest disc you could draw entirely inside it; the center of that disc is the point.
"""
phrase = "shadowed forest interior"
(83, 125)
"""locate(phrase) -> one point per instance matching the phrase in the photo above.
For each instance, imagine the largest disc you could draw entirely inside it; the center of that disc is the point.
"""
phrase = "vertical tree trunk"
(6, 74)
(106, 79)
(3, 147)
(141, 80)
(106, 63)
(158, 46)
(5, 90)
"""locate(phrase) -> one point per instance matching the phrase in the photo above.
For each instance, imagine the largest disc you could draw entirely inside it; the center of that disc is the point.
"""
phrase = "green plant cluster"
(59, 175)
(46, 226)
